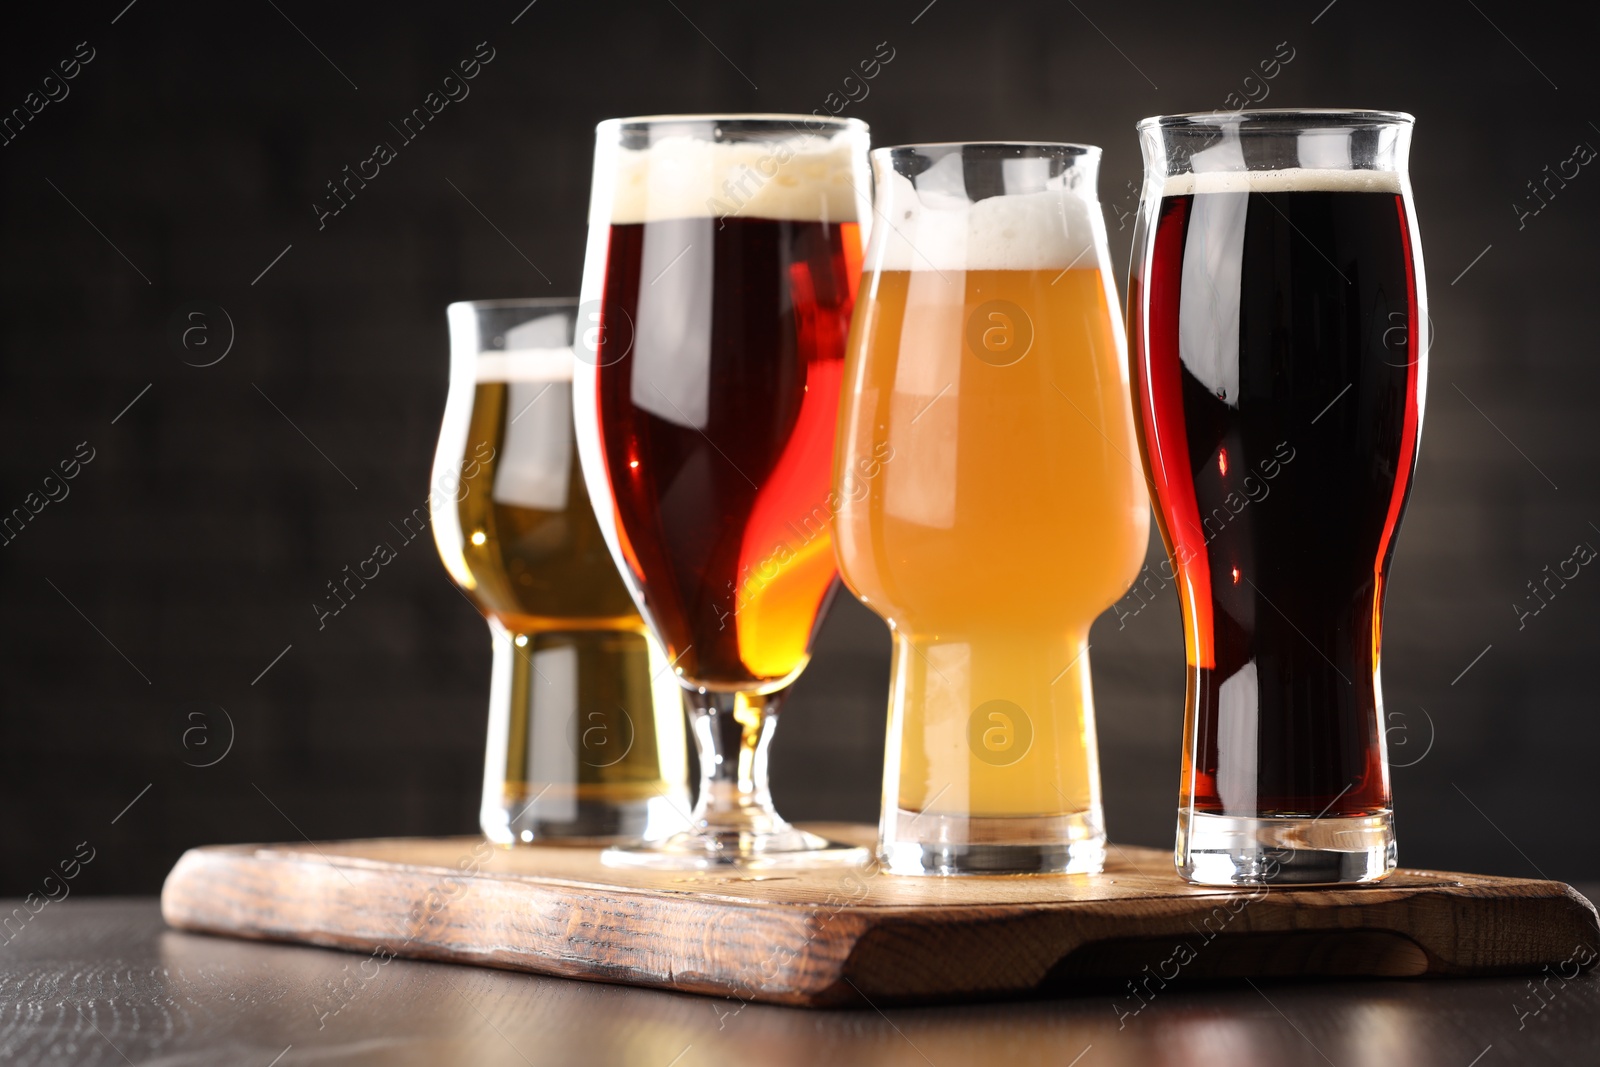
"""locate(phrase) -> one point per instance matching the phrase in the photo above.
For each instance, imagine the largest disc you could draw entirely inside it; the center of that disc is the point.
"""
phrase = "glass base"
(704, 851)
(923, 843)
(559, 817)
(1284, 850)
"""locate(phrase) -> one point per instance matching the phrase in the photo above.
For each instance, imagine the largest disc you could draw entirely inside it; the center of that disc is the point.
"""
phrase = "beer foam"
(1288, 180)
(805, 178)
(526, 365)
(931, 229)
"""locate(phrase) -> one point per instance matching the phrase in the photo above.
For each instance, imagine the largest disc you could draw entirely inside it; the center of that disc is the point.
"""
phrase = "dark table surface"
(105, 982)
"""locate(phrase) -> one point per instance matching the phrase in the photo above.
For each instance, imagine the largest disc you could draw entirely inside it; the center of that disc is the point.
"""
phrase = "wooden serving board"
(842, 937)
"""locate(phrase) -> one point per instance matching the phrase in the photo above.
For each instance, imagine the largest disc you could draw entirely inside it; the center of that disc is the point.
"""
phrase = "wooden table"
(103, 982)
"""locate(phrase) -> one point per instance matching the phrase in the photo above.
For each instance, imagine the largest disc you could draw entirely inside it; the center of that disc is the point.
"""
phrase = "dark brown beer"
(1277, 384)
(717, 390)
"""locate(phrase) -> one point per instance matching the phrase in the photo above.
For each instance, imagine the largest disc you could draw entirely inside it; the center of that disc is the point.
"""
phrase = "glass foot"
(925, 843)
(734, 825)
(1284, 850)
(562, 816)
(704, 851)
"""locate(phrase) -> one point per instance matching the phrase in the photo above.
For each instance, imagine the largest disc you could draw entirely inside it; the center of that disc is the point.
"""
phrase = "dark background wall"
(181, 171)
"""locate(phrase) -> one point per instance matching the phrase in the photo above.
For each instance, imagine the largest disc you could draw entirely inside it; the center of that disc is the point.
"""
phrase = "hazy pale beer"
(582, 741)
(991, 505)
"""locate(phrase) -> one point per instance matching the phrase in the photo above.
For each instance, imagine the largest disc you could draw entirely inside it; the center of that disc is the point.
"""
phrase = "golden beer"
(586, 736)
(990, 507)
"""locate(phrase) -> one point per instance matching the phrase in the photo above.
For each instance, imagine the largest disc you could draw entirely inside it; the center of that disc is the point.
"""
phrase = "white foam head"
(934, 225)
(535, 351)
(807, 177)
(1295, 179)
(526, 365)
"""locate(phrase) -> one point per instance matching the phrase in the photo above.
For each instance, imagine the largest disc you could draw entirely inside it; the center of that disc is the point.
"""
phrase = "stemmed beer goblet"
(718, 285)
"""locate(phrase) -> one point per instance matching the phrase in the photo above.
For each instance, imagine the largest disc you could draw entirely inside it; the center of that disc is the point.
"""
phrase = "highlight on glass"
(721, 272)
(1280, 337)
(586, 742)
(990, 502)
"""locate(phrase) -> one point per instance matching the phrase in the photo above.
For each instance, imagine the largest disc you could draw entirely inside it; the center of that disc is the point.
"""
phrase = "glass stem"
(733, 734)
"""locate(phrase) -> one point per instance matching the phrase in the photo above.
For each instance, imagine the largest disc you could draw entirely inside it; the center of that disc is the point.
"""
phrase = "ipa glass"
(1280, 336)
(990, 503)
(721, 272)
(585, 738)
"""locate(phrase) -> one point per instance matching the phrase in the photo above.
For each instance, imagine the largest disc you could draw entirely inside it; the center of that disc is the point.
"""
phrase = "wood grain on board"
(839, 937)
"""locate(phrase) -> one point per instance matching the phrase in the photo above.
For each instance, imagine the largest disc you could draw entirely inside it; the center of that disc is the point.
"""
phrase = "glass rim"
(1278, 118)
(552, 302)
(776, 119)
(1073, 148)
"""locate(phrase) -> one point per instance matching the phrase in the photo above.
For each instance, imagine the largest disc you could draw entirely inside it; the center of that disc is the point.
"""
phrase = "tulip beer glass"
(583, 744)
(989, 502)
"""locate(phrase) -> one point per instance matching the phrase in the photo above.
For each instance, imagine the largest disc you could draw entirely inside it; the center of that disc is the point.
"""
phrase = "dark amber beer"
(723, 259)
(1279, 340)
(718, 438)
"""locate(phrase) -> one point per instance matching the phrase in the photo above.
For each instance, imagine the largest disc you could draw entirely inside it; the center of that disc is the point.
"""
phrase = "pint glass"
(585, 737)
(1280, 337)
(721, 271)
(989, 499)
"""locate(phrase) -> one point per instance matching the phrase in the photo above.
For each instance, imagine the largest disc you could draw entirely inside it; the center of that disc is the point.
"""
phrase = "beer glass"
(1280, 329)
(585, 739)
(721, 271)
(990, 503)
